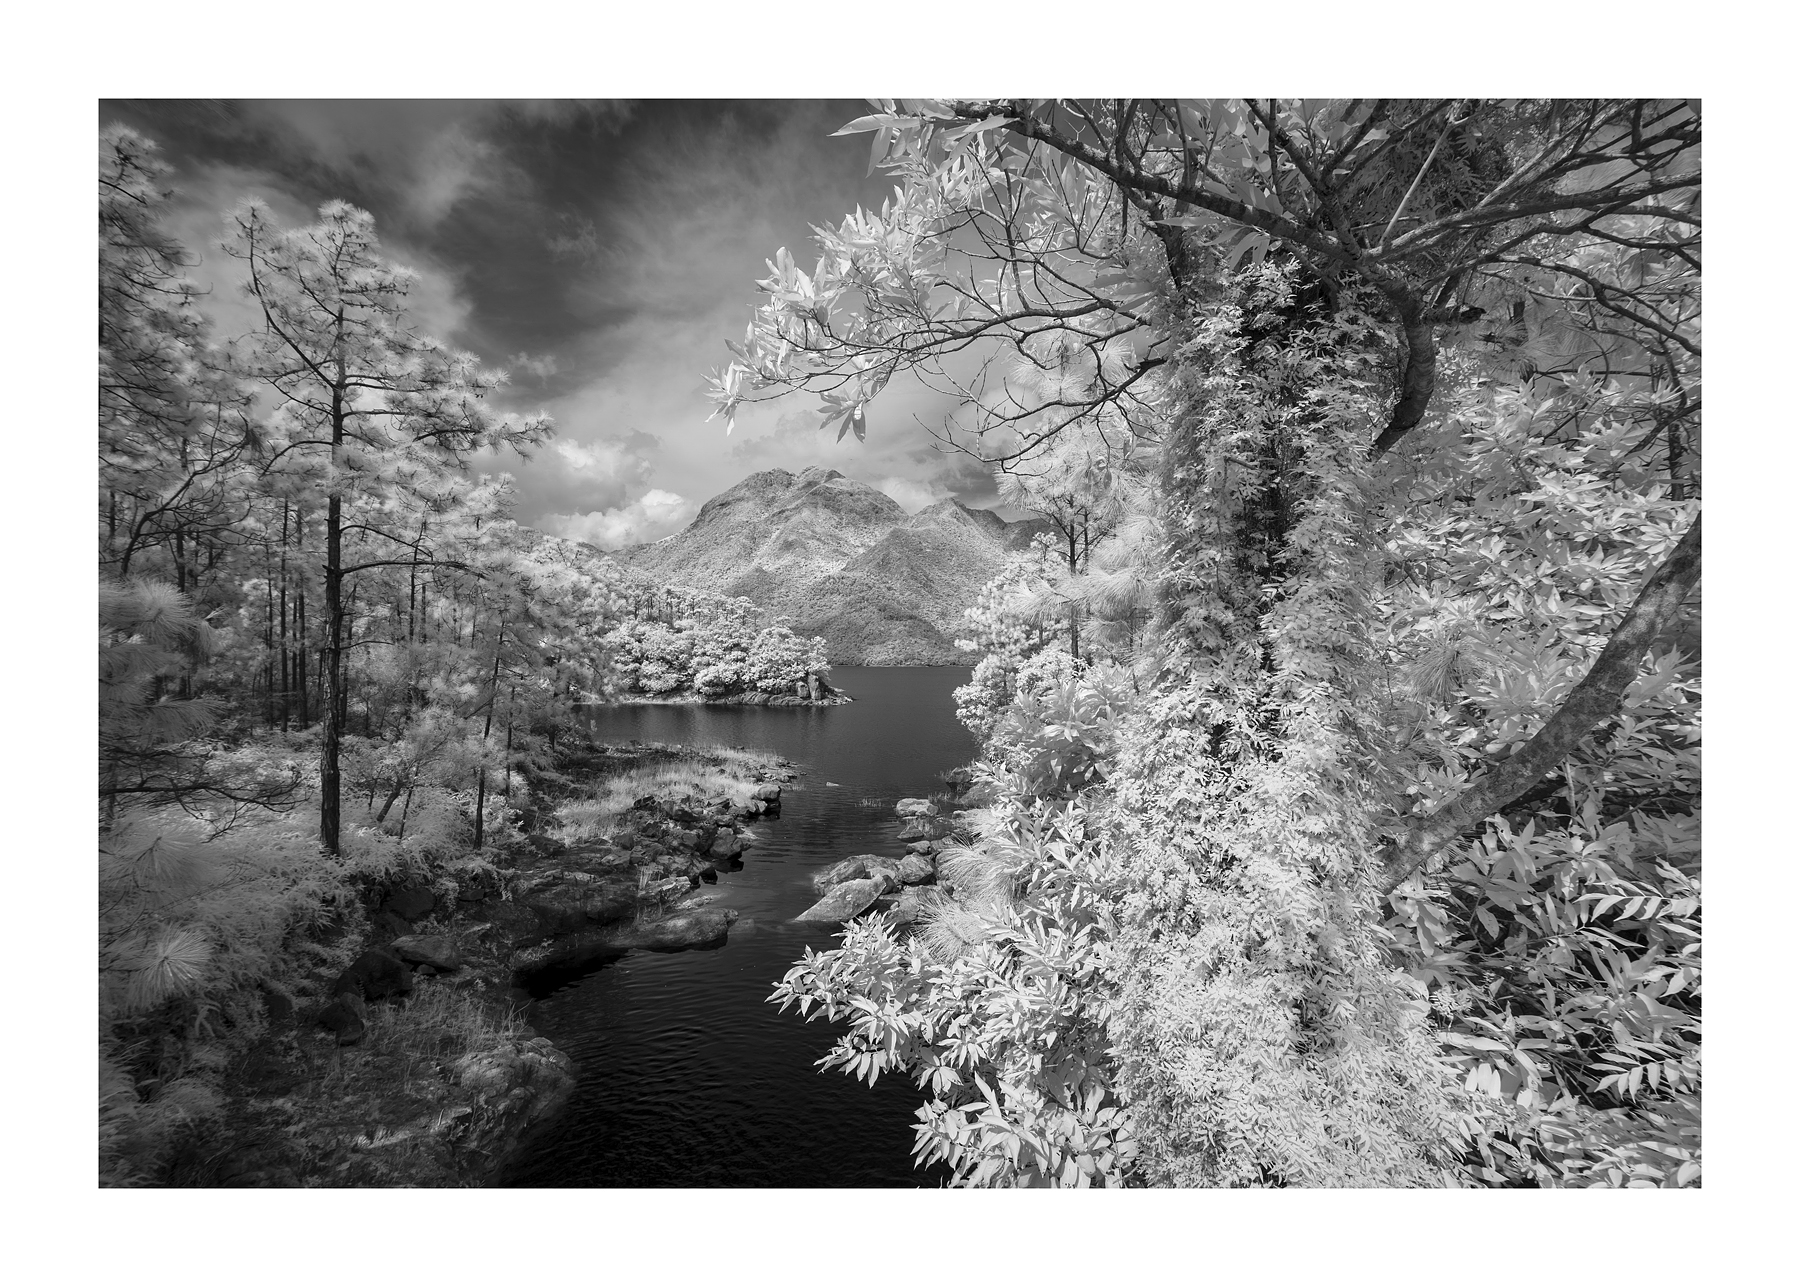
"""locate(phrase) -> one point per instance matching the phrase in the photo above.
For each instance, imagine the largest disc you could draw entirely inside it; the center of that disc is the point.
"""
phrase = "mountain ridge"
(842, 560)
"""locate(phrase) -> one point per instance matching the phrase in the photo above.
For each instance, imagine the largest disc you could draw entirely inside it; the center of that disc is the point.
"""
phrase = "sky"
(601, 251)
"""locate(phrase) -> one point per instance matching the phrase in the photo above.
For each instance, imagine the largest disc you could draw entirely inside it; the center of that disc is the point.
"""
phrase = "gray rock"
(705, 928)
(916, 870)
(439, 951)
(767, 791)
(388, 923)
(859, 867)
(375, 974)
(920, 847)
(347, 1016)
(925, 827)
(413, 903)
(915, 808)
(727, 844)
(844, 902)
(908, 907)
(517, 1086)
(686, 839)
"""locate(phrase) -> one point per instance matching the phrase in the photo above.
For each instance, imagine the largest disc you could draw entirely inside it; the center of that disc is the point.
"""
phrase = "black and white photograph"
(900, 643)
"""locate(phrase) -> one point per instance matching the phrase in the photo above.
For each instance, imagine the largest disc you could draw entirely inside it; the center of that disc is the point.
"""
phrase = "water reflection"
(686, 1076)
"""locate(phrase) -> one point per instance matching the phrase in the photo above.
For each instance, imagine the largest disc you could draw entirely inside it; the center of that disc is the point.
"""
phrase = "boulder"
(704, 835)
(517, 1086)
(375, 974)
(414, 903)
(439, 951)
(919, 847)
(347, 1016)
(925, 828)
(958, 779)
(915, 808)
(563, 909)
(767, 792)
(916, 870)
(686, 839)
(661, 891)
(908, 906)
(707, 927)
(844, 902)
(388, 923)
(727, 844)
(979, 796)
(859, 867)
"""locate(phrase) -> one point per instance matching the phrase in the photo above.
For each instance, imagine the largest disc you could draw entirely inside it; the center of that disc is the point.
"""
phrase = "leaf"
(863, 124)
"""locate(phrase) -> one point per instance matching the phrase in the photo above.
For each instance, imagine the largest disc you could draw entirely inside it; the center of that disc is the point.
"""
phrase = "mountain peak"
(840, 558)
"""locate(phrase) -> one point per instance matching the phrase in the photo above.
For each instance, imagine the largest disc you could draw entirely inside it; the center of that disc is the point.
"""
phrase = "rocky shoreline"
(833, 697)
(864, 881)
(408, 1066)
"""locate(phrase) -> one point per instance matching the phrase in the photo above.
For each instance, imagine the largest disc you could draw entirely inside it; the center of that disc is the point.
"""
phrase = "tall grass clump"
(701, 773)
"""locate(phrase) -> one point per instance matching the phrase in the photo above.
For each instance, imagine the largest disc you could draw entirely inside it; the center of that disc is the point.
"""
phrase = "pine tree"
(370, 419)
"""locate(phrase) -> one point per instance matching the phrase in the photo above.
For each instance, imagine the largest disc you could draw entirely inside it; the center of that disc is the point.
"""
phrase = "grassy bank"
(228, 1081)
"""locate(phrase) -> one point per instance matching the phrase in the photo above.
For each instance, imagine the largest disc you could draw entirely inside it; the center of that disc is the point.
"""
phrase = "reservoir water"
(686, 1076)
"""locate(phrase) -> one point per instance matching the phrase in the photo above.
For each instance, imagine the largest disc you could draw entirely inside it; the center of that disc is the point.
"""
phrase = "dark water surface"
(685, 1075)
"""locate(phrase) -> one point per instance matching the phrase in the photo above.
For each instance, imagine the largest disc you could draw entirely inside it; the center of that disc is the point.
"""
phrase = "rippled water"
(686, 1076)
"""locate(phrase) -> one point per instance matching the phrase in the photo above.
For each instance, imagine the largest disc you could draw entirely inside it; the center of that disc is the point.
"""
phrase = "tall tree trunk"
(300, 676)
(399, 786)
(1074, 619)
(486, 729)
(287, 663)
(333, 676)
(334, 634)
(511, 696)
(268, 668)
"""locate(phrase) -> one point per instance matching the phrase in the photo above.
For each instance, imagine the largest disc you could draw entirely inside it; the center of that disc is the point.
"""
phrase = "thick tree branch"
(1595, 698)
(1418, 373)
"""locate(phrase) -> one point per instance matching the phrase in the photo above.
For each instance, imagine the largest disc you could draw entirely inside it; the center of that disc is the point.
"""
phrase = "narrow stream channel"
(686, 1076)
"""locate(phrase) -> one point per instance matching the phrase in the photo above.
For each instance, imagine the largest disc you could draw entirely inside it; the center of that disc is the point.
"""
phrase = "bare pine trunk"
(332, 676)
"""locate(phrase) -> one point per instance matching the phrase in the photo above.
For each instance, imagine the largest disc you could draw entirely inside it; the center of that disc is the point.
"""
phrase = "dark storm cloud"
(601, 252)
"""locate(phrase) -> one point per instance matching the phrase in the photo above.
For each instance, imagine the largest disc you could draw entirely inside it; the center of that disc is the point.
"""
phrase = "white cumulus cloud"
(650, 517)
(913, 495)
(541, 368)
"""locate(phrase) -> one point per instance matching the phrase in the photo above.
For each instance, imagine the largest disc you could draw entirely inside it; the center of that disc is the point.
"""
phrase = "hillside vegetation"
(842, 561)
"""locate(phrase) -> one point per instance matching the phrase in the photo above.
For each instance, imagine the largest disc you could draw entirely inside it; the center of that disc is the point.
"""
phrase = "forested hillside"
(843, 561)
(329, 661)
(1339, 818)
